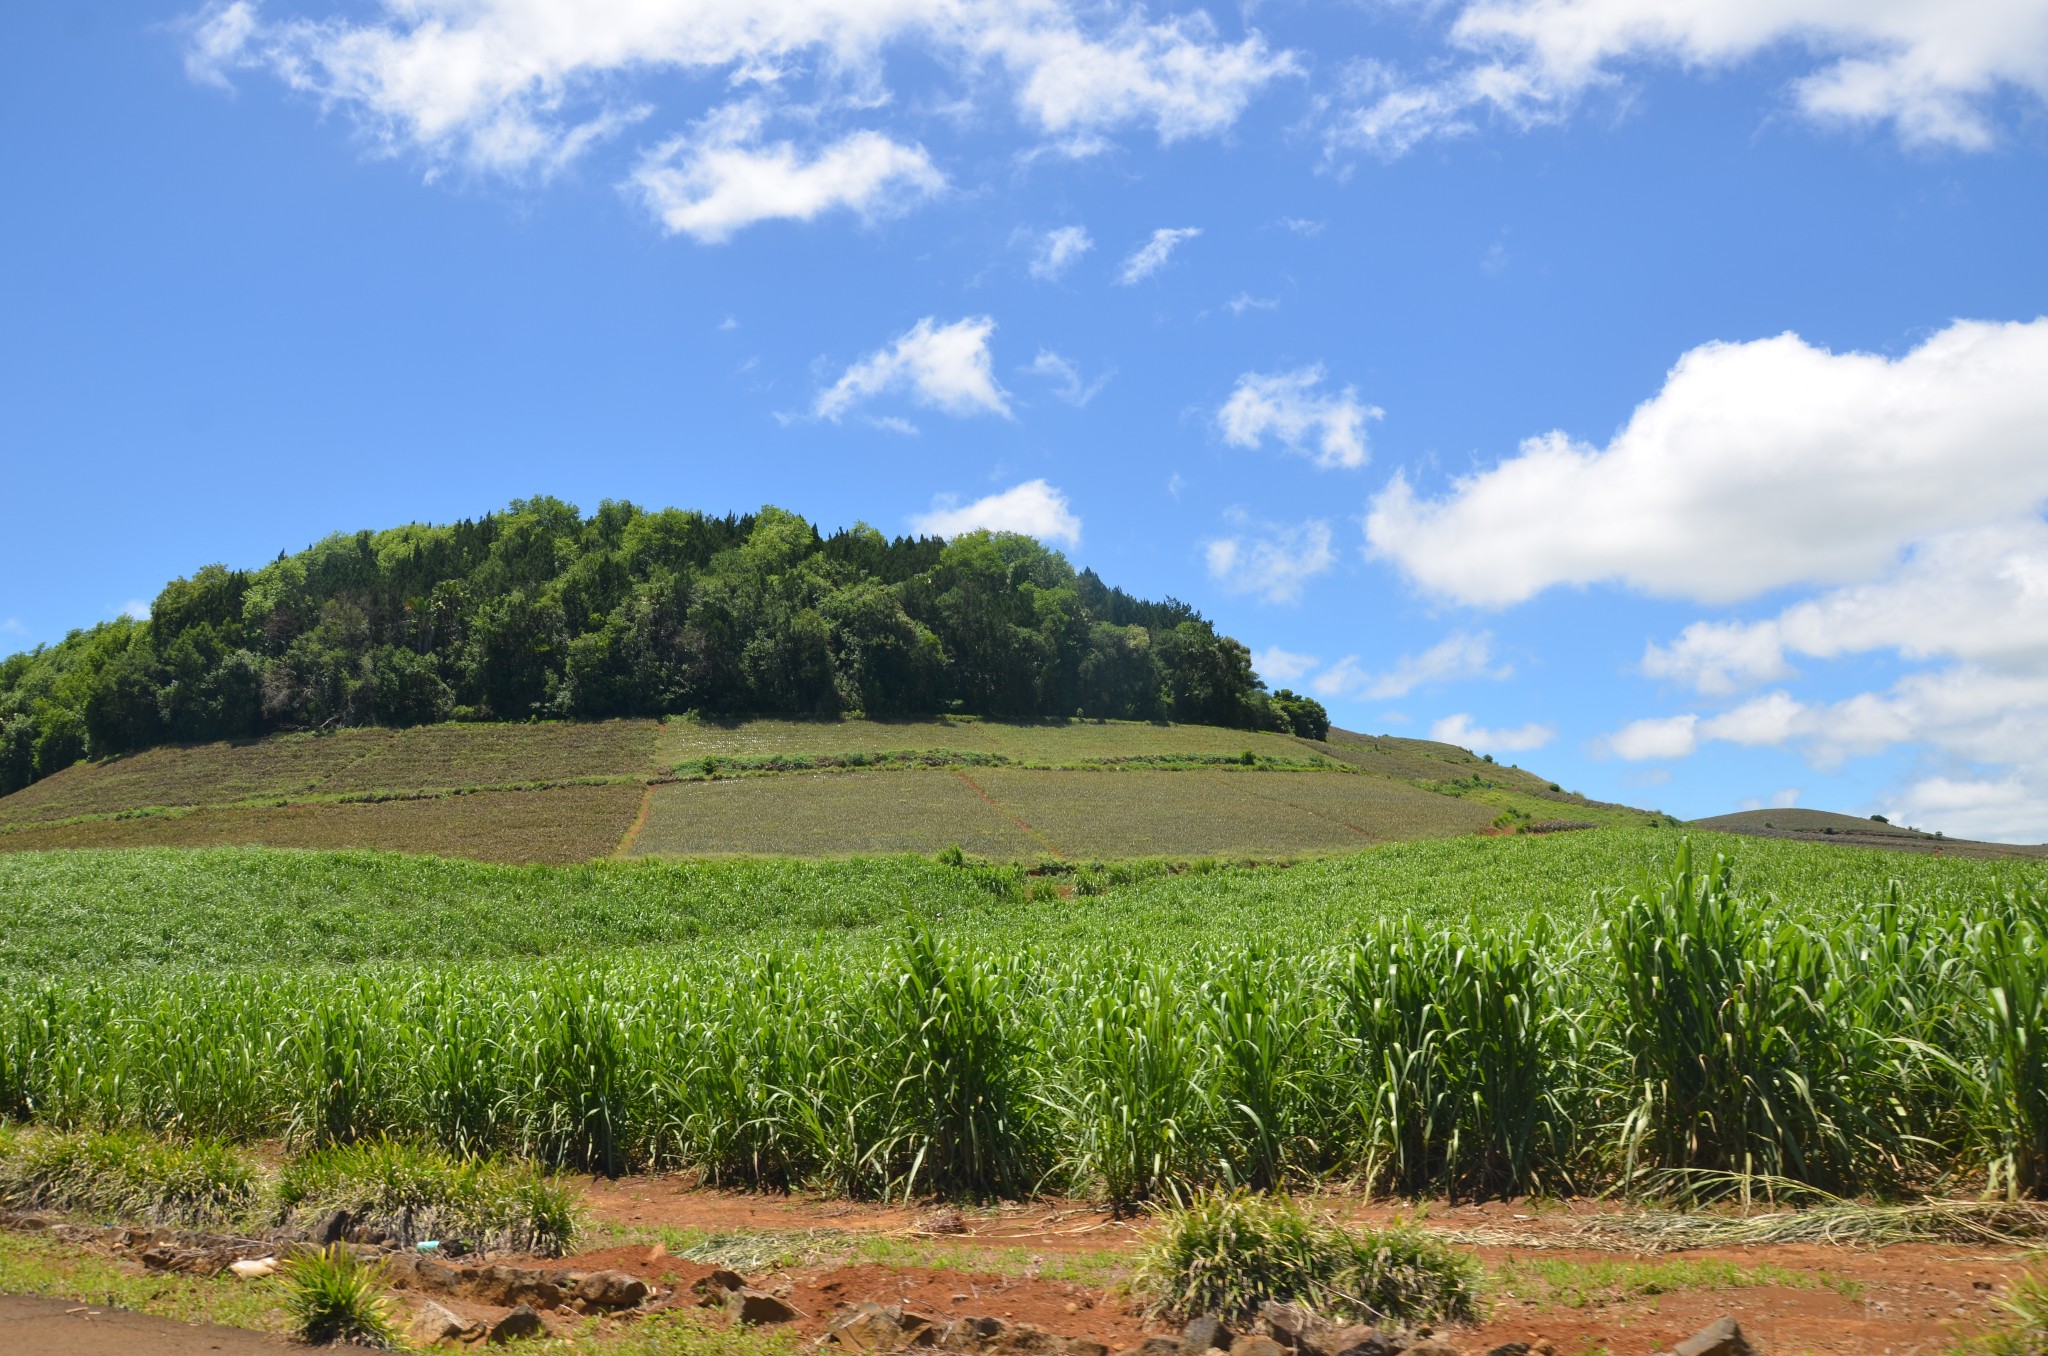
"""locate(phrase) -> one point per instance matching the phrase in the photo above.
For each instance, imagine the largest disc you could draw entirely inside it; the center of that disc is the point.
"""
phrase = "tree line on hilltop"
(540, 612)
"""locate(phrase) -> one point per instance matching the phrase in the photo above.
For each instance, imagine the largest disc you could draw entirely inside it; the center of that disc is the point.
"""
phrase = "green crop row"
(1681, 1035)
(117, 912)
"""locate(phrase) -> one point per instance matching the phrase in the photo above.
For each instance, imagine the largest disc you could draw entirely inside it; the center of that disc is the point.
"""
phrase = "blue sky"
(1652, 392)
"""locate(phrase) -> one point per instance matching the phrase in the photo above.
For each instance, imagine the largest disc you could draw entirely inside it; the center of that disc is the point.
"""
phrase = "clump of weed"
(333, 1296)
(411, 1191)
(126, 1175)
(1228, 1253)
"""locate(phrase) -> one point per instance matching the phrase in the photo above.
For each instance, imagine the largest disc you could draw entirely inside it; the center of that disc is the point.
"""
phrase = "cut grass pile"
(1227, 1254)
(1157, 1045)
(561, 824)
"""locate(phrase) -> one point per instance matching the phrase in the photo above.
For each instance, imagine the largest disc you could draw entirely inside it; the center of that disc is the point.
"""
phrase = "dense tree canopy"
(540, 612)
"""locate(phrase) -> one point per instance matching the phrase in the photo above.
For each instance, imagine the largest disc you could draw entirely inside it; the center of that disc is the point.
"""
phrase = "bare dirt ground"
(1057, 1265)
(1899, 1300)
(49, 1327)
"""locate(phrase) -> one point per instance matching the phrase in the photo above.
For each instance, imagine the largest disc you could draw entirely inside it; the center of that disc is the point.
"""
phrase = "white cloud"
(1460, 730)
(1303, 226)
(1288, 405)
(1245, 301)
(1034, 508)
(503, 85)
(1935, 70)
(11, 626)
(136, 609)
(1276, 563)
(1057, 250)
(1453, 659)
(1067, 378)
(218, 36)
(722, 177)
(1276, 665)
(1659, 737)
(1758, 465)
(1979, 594)
(2007, 809)
(1151, 256)
(945, 367)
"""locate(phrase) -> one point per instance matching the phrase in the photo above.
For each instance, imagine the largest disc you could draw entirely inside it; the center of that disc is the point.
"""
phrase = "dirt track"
(47, 1327)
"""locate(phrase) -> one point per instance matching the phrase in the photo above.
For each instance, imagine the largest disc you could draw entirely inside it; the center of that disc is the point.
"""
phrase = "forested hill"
(540, 612)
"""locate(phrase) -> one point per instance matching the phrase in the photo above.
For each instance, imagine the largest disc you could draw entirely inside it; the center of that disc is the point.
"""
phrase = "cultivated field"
(561, 792)
(1474, 1016)
(555, 824)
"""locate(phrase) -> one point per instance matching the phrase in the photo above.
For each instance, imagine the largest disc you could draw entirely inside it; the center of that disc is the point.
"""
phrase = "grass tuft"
(413, 1191)
(332, 1296)
(1228, 1253)
(126, 1175)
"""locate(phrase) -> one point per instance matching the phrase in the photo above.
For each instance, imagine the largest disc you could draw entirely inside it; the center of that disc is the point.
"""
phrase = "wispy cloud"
(1454, 658)
(1055, 251)
(1460, 730)
(1150, 257)
(1271, 560)
(1066, 378)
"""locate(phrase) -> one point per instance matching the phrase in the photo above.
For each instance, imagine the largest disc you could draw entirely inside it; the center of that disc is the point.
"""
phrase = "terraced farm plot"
(441, 756)
(1216, 813)
(1377, 810)
(562, 824)
(1013, 814)
(829, 814)
(197, 774)
(684, 742)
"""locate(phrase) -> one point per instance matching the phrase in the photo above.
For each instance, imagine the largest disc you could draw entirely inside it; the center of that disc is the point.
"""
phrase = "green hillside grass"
(565, 792)
(105, 913)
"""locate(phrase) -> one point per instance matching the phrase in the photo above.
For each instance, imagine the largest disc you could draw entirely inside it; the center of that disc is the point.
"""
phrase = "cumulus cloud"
(1066, 378)
(503, 85)
(722, 177)
(1245, 301)
(945, 367)
(1151, 256)
(135, 609)
(1276, 665)
(1980, 594)
(1935, 70)
(1460, 730)
(1756, 466)
(1034, 508)
(1271, 560)
(1056, 250)
(2005, 809)
(1453, 659)
(1290, 406)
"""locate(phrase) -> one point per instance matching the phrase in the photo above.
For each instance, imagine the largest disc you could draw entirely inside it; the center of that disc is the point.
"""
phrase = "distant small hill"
(1824, 826)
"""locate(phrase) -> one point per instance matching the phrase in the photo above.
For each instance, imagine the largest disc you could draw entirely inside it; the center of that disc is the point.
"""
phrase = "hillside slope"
(568, 792)
(1824, 826)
